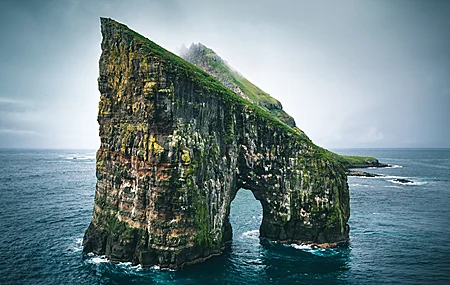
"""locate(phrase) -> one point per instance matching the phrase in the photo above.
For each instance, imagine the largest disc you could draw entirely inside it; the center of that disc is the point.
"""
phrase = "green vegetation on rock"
(206, 59)
(209, 61)
(176, 145)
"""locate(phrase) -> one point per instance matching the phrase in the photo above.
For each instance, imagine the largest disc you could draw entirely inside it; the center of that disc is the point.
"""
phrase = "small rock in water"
(401, 180)
(361, 173)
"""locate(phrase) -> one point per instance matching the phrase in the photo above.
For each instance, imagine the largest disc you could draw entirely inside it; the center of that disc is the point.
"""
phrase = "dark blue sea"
(400, 233)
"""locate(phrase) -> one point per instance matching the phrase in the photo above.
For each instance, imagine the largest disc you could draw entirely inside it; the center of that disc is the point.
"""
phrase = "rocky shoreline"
(359, 173)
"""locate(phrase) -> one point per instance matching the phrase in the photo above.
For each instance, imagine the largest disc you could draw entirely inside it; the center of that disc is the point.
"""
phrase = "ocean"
(400, 233)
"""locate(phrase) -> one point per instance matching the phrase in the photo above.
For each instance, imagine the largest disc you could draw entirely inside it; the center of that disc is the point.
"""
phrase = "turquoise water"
(399, 233)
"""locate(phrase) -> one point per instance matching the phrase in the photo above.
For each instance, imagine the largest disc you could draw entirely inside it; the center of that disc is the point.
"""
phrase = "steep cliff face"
(176, 146)
(213, 64)
(206, 59)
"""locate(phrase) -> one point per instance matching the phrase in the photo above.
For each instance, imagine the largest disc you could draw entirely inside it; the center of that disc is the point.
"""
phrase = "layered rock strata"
(176, 146)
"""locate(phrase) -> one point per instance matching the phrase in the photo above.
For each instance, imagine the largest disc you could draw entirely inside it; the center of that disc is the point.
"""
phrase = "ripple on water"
(46, 207)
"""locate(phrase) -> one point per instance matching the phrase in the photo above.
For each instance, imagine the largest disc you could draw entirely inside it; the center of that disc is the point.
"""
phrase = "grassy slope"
(257, 95)
(199, 54)
(356, 161)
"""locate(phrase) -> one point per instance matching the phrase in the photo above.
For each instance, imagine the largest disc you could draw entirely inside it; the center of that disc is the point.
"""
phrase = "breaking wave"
(314, 250)
(253, 234)
(79, 157)
(409, 182)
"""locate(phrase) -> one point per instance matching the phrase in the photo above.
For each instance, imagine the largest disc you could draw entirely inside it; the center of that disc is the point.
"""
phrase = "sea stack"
(176, 146)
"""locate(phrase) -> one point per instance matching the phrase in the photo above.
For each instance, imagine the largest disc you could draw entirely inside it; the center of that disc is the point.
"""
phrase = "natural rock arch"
(175, 148)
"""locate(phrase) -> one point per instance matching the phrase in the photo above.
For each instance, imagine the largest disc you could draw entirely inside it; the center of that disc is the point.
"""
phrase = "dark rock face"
(403, 181)
(361, 173)
(176, 146)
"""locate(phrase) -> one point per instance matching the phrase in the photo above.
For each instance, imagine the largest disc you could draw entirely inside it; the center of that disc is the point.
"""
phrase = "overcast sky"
(351, 73)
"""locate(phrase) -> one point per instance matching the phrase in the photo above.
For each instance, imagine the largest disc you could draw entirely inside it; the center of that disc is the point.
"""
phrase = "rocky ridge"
(206, 59)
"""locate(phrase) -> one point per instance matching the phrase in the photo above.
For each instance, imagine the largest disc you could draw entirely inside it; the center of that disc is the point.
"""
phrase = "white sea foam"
(79, 157)
(124, 264)
(407, 183)
(301, 246)
(384, 177)
(253, 234)
(98, 259)
(314, 250)
(129, 267)
(389, 166)
(77, 245)
(359, 185)
(394, 166)
(392, 179)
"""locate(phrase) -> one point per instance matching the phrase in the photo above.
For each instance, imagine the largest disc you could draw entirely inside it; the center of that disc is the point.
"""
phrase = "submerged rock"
(176, 145)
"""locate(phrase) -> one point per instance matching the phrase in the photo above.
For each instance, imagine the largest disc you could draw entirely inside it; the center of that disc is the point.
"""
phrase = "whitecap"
(98, 259)
(314, 250)
(253, 234)
(79, 157)
(301, 246)
(407, 183)
(359, 185)
(381, 177)
(77, 245)
(394, 166)
(129, 267)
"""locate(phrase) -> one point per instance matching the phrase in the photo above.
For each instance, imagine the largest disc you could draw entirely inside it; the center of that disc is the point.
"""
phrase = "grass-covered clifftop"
(356, 161)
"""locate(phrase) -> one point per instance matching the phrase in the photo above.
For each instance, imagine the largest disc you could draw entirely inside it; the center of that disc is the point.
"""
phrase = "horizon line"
(330, 148)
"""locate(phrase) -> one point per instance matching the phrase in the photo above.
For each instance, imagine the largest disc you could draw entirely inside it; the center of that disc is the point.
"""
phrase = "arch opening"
(245, 217)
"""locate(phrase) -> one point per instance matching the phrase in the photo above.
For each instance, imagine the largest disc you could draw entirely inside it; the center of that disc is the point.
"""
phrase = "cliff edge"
(210, 62)
(177, 145)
